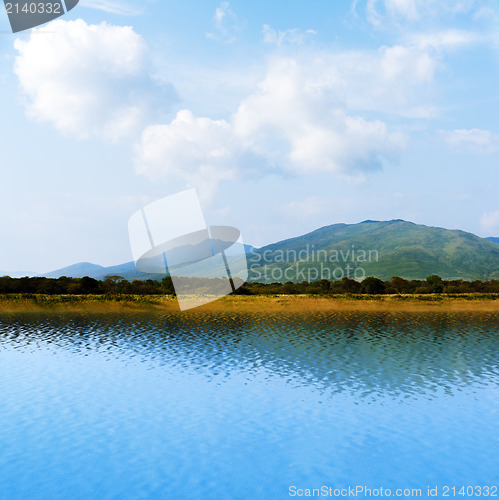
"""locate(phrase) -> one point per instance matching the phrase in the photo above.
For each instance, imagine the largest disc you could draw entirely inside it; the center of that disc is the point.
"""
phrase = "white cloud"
(307, 115)
(490, 221)
(395, 8)
(292, 36)
(227, 24)
(382, 13)
(484, 12)
(87, 80)
(199, 151)
(406, 62)
(480, 141)
(291, 123)
(391, 79)
(112, 6)
(446, 39)
(296, 120)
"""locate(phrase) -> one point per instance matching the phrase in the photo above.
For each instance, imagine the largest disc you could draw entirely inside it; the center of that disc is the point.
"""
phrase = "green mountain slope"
(382, 249)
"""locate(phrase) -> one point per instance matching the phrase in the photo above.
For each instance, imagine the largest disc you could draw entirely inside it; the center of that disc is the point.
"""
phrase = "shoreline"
(251, 303)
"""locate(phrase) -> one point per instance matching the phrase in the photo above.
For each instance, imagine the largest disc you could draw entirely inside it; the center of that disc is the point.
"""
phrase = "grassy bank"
(81, 303)
(250, 303)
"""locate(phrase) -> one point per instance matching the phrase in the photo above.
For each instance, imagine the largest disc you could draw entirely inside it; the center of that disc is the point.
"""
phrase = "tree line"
(85, 286)
(370, 285)
(375, 286)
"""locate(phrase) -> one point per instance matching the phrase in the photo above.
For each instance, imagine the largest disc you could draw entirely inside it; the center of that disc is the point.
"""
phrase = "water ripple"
(243, 405)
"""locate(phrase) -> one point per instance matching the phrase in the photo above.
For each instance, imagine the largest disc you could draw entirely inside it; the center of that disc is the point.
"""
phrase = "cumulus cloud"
(291, 123)
(293, 118)
(88, 80)
(292, 36)
(227, 24)
(490, 221)
(199, 151)
(480, 141)
(392, 79)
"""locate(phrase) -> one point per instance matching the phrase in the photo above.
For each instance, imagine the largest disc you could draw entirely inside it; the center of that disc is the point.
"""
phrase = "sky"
(285, 116)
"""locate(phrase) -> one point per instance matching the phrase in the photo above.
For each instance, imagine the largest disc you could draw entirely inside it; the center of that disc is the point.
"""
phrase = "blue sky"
(285, 116)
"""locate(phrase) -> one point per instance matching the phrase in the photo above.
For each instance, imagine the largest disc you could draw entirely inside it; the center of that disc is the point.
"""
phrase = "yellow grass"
(252, 303)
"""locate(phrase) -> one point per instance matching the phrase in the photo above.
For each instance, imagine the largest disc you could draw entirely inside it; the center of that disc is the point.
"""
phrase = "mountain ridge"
(404, 248)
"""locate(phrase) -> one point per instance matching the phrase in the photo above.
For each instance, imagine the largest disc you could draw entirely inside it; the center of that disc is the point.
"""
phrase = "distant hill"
(493, 238)
(76, 271)
(369, 248)
(126, 270)
(377, 248)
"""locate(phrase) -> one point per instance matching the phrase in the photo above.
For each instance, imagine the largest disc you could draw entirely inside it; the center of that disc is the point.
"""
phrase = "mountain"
(493, 238)
(76, 270)
(369, 248)
(377, 248)
(126, 270)
(81, 269)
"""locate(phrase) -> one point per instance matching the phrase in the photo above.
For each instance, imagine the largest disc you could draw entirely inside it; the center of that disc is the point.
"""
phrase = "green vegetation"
(380, 249)
(58, 299)
(112, 285)
(116, 286)
(374, 286)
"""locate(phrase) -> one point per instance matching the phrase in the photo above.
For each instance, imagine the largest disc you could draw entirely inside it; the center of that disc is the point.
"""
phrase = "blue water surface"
(246, 406)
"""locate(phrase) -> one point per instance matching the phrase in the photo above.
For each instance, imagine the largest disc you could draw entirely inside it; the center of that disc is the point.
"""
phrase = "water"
(245, 406)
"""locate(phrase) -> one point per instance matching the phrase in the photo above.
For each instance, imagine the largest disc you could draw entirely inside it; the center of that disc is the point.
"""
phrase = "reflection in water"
(366, 352)
(233, 406)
